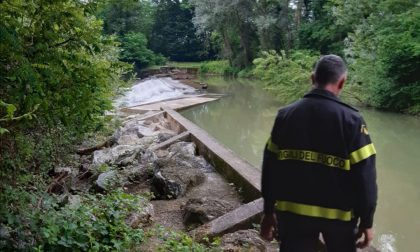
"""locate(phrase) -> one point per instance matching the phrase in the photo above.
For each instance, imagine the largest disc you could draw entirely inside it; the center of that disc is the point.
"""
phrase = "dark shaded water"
(242, 121)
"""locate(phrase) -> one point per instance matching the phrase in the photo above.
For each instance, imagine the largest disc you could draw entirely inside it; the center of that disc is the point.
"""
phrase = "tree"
(384, 52)
(319, 29)
(274, 25)
(174, 34)
(124, 16)
(233, 21)
(62, 71)
(134, 49)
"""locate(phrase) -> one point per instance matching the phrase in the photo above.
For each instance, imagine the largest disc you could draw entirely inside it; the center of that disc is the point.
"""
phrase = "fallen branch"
(89, 150)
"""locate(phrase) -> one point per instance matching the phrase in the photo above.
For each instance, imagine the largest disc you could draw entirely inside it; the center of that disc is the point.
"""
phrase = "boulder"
(178, 171)
(202, 210)
(183, 149)
(108, 180)
(184, 154)
(4, 232)
(74, 201)
(144, 170)
(133, 139)
(166, 188)
(120, 155)
(142, 218)
(163, 136)
(243, 240)
(61, 170)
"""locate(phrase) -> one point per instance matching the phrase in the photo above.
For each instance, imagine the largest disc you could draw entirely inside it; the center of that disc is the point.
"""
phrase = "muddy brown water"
(242, 122)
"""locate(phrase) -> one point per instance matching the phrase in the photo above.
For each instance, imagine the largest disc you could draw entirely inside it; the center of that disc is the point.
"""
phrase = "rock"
(243, 240)
(184, 149)
(148, 157)
(4, 233)
(129, 139)
(161, 153)
(142, 218)
(184, 153)
(108, 180)
(74, 201)
(133, 139)
(120, 155)
(163, 136)
(165, 188)
(60, 170)
(178, 171)
(203, 210)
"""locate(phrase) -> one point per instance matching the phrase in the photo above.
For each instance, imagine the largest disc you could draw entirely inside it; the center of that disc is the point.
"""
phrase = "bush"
(287, 77)
(36, 220)
(62, 74)
(134, 50)
(180, 242)
(219, 67)
(384, 56)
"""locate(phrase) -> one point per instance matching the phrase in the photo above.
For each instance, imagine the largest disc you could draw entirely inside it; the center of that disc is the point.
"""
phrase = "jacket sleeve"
(268, 166)
(362, 160)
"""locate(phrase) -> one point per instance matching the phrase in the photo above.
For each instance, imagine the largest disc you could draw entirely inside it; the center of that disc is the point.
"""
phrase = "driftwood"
(56, 185)
(89, 150)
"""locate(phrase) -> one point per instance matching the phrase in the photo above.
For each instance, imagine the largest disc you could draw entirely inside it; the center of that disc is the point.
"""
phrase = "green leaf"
(10, 108)
(3, 131)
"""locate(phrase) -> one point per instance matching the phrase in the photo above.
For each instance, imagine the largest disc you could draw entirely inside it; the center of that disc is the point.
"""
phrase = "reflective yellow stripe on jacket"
(309, 156)
(314, 211)
(362, 153)
(321, 158)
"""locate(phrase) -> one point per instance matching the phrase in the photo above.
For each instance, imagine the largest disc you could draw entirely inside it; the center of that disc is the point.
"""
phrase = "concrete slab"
(174, 104)
(236, 170)
(240, 218)
(181, 137)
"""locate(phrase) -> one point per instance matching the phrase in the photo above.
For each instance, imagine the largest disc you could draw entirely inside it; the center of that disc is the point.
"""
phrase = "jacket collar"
(325, 94)
(318, 92)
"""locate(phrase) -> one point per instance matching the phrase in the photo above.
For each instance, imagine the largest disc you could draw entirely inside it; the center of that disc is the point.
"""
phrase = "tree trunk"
(227, 47)
(298, 14)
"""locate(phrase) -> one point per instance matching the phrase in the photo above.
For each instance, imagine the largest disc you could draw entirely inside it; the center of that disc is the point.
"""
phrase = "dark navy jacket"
(320, 162)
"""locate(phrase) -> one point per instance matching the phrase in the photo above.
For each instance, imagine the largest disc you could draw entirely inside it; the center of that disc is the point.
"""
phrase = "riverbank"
(150, 155)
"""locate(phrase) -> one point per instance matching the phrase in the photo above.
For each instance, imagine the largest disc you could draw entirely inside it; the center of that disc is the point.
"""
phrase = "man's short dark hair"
(329, 69)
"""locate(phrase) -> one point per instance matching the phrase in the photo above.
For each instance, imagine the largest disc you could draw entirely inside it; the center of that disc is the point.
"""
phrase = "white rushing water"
(153, 90)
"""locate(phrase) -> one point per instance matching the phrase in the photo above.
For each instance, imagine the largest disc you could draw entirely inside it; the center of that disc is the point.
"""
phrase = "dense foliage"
(286, 77)
(62, 72)
(378, 38)
(384, 53)
(95, 223)
(174, 35)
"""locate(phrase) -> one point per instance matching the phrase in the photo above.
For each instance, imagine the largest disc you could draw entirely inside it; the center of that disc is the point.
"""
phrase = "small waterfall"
(154, 90)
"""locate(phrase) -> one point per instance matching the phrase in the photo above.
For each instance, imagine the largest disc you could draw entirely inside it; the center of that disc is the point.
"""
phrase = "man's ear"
(313, 78)
(341, 82)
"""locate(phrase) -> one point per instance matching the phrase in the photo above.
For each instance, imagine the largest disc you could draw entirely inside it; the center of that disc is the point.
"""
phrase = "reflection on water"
(242, 121)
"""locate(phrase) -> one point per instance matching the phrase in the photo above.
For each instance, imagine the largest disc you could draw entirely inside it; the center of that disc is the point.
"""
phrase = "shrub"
(134, 49)
(287, 77)
(384, 56)
(180, 242)
(97, 224)
(220, 67)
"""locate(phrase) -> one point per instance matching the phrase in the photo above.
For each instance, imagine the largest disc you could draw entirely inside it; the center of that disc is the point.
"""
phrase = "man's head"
(330, 73)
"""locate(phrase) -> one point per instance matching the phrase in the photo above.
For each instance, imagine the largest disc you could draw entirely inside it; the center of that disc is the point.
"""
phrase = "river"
(243, 119)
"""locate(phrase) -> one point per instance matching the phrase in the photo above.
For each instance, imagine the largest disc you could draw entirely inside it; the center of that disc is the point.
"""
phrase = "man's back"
(319, 168)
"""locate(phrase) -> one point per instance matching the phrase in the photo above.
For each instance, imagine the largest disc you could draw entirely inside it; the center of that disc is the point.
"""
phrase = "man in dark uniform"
(318, 174)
